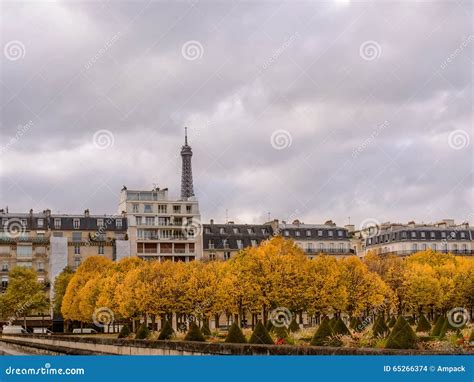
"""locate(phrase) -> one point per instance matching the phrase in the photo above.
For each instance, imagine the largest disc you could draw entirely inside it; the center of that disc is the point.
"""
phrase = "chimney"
(212, 221)
(86, 213)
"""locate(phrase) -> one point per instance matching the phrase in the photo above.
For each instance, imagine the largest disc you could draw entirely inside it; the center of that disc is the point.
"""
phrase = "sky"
(351, 111)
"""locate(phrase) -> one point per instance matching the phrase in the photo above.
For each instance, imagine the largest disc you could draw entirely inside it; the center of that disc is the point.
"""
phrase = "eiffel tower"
(187, 172)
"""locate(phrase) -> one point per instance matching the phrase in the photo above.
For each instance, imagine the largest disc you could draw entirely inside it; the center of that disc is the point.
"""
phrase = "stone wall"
(86, 345)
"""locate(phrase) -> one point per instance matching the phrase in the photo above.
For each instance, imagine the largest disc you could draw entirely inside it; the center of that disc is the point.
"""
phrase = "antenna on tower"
(185, 135)
(268, 216)
(349, 218)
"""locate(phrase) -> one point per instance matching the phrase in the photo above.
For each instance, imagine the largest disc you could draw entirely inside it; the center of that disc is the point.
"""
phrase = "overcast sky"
(310, 110)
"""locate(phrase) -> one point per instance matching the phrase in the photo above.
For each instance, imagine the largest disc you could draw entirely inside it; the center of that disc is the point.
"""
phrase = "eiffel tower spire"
(187, 172)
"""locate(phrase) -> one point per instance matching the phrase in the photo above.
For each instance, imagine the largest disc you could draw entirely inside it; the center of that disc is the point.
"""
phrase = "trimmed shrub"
(235, 335)
(471, 337)
(332, 322)
(280, 332)
(358, 326)
(339, 327)
(352, 322)
(166, 332)
(205, 328)
(293, 327)
(142, 332)
(391, 322)
(438, 326)
(322, 335)
(380, 329)
(124, 332)
(260, 335)
(423, 324)
(269, 326)
(402, 336)
(194, 333)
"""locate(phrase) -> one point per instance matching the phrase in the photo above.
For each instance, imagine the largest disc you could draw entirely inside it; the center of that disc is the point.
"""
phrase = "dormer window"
(76, 223)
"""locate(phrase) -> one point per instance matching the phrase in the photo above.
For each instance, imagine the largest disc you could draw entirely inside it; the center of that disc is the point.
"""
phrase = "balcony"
(327, 250)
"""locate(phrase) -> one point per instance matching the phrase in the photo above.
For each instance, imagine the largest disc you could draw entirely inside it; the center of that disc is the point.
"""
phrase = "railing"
(410, 252)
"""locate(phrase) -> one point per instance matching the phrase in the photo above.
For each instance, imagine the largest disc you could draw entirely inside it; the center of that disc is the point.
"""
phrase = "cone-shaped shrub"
(260, 335)
(194, 333)
(447, 327)
(471, 337)
(322, 335)
(352, 322)
(438, 326)
(142, 332)
(332, 322)
(402, 336)
(235, 335)
(339, 327)
(280, 332)
(380, 329)
(423, 324)
(166, 331)
(293, 327)
(391, 322)
(358, 326)
(205, 328)
(269, 326)
(124, 332)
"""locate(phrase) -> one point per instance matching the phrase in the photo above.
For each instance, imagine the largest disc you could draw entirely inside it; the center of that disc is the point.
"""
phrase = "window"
(264, 231)
(341, 247)
(212, 256)
(455, 248)
(235, 230)
(320, 233)
(207, 230)
(40, 266)
(423, 235)
(226, 255)
(100, 249)
(308, 233)
(413, 234)
(189, 208)
(286, 233)
(424, 247)
(77, 262)
(445, 247)
(432, 235)
(57, 234)
(321, 247)
(463, 235)
(77, 236)
(23, 222)
(339, 233)
(414, 247)
(24, 251)
(225, 243)
(76, 223)
(330, 233)
(239, 244)
(177, 209)
(150, 220)
(40, 223)
(135, 207)
(433, 247)
(250, 231)
(118, 223)
(211, 244)
(100, 223)
(57, 223)
(253, 242)
(404, 235)
(331, 247)
(221, 230)
(309, 247)
(139, 220)
(4, 281)
(297, 233)
(5, 266)
(464, 248)
(162, 208)
(147, 208)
